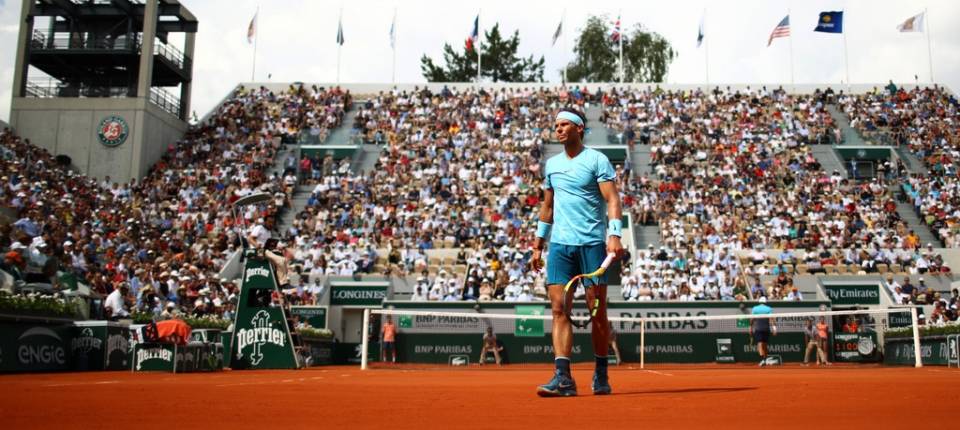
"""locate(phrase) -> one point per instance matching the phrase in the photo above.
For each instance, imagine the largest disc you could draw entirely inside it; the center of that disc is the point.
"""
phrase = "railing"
(82, 41)
(127, 42)
(165, 101)
(172, 54)
(50, 88)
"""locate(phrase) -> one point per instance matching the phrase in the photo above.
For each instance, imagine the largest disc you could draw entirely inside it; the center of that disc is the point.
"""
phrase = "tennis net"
(696, 334)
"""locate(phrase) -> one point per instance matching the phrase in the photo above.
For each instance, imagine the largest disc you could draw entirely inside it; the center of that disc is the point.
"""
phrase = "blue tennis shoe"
(560, 386)
(601, 385)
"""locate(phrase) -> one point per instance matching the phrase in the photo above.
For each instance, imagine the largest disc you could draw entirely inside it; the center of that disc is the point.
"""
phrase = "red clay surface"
(664, 396)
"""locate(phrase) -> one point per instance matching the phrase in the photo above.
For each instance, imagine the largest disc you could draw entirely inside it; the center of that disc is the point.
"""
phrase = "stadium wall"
(69, 126)
(374, 88)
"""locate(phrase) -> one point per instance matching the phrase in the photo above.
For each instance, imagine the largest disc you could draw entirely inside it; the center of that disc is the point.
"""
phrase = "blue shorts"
(566, 261)
(761, 336)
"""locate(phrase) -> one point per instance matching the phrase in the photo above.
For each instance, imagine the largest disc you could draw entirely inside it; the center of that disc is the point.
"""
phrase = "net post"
(918, 362)
(365, 340)
(643, 341)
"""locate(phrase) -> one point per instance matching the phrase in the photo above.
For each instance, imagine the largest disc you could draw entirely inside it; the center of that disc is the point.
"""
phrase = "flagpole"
(393, 43)
(256, 38)
(563, 34)
(479, 56)
(792, 83)
(339, 43)
(620, 22)
(846, 61)
(926, 17)
(706, 50)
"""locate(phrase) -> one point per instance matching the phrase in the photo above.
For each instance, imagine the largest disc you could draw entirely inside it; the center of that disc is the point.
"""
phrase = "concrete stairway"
(298, 202)
(597, 133)
(828, 159)
(913, 164)
(850, 136)
(367, 160)
(641, 160)
(341, 135)
(917, 225)
(644, 235)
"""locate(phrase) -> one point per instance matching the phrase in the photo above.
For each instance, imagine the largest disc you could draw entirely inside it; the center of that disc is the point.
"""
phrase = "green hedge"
(315, 333)
(193, 322)
(951, 328)
(35, 304)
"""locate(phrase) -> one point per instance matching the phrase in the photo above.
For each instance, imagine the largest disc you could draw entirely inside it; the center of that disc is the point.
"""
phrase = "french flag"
(475, 34)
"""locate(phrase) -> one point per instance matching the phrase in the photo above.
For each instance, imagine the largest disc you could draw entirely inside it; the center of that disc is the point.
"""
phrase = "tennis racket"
(571, 286)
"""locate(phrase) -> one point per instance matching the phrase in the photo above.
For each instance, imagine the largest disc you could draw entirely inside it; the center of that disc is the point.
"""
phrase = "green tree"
(500, 62)
(646, 55)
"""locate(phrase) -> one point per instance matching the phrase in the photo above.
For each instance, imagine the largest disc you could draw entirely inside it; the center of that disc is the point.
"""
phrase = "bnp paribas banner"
(260, 339)
(458, 339)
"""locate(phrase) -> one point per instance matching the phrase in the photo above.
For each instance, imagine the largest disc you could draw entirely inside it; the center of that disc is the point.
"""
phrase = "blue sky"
(297, 39)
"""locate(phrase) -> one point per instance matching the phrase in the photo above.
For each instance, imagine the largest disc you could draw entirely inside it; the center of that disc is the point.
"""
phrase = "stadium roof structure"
(98, 42)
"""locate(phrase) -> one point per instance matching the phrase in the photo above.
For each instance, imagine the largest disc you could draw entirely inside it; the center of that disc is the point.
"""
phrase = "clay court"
(706, 396)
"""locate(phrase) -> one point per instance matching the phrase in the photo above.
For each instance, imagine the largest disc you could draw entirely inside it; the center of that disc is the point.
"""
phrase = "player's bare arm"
(614, 212)
(546, 216)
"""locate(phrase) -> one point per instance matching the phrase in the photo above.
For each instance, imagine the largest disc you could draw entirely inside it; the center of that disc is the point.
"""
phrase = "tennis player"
(580, 195)
(762, 328)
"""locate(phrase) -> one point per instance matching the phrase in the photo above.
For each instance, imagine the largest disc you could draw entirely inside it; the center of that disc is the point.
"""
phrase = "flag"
(700, 32)
(340, 32)
(830, 22)
(556, 34)
(616, 30)
(912, 24)
(393, 31)
(252, 28)
(475, 34)
(781, 30)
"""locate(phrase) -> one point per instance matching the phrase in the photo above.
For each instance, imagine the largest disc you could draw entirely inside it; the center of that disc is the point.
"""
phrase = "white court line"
(276, 381)
(658, 373)
(82, 383)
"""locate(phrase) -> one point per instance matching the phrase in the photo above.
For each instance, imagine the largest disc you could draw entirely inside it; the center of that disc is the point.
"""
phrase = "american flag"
(781, 30)
(616, 30)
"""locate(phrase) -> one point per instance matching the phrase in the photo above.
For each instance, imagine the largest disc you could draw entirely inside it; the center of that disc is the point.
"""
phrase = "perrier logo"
(113, 131)
(260, 334)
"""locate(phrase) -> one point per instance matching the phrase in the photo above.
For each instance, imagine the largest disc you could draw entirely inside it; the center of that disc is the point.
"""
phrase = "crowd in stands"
(926, 121)
(167, 236)
(733, 174)
(458, 168)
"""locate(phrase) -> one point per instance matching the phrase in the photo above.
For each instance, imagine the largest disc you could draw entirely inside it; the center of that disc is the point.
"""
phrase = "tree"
(500, 62)
(646, 55)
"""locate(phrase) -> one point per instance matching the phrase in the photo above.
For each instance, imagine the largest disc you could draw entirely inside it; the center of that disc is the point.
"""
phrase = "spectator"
(389, 337)
(823, 334)
(490, 345)
(115, 304)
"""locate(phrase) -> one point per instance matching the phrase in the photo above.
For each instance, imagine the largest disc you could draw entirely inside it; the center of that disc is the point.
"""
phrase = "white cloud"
(297, 39)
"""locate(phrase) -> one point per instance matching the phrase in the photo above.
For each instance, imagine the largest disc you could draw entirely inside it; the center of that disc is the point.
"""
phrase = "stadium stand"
(169, 234)
(443, 210)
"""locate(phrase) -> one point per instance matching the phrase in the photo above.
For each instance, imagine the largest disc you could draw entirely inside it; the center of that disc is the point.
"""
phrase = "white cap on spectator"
(68, 243)
(762, 299)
